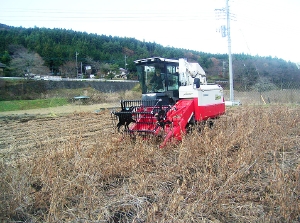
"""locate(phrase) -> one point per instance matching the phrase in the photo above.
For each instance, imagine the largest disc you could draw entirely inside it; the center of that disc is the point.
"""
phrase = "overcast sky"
(258, 27)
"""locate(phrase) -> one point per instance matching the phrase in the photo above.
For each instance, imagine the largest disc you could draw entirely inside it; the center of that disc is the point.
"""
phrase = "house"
(122, 73)
(2, 66)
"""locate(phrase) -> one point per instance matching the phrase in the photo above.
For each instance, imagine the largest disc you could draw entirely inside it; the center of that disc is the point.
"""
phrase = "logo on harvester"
(188, 93)
(217, 97)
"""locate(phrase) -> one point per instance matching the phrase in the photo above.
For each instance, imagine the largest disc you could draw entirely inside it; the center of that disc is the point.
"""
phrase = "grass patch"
(31, 104)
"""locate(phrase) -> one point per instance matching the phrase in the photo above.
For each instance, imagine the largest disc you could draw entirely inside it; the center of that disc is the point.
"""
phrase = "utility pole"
(225, 31)
(125, 63)
(229, 54)
(76, 54)
(223, 69)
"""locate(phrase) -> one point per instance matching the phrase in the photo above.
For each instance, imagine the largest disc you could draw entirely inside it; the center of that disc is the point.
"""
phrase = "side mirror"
(197, 82)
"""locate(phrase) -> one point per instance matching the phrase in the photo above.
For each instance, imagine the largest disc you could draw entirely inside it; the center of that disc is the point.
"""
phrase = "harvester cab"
(175, 95)
(159, 79)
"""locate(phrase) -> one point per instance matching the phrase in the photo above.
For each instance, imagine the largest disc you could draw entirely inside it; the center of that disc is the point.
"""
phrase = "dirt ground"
(24, 133)
(70, 163)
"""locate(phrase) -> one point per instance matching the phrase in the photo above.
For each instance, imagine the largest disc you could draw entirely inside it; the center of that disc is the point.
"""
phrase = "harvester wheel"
(205, 124)
(114, 119)
(190, 126)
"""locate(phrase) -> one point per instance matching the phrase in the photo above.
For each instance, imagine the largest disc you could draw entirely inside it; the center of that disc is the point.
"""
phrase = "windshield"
(155, 79)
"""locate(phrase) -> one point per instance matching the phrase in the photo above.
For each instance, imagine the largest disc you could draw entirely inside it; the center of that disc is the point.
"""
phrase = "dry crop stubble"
(244, 169)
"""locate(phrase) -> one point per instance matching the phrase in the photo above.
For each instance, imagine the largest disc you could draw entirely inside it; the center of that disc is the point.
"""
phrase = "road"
(66, 109)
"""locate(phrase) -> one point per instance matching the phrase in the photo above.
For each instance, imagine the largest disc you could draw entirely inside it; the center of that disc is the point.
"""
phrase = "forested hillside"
(56, 51)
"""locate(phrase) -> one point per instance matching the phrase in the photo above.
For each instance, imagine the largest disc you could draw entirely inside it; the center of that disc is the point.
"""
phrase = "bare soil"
(24, 132)
(61, 110)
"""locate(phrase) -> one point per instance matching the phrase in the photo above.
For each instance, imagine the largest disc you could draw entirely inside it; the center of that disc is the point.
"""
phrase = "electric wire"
(243, 13)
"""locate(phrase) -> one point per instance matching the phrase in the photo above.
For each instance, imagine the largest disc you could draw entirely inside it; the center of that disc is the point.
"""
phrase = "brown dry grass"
(76, 169)
(284, 96)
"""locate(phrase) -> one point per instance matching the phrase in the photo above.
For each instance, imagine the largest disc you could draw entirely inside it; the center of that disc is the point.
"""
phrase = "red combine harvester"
(175, 96)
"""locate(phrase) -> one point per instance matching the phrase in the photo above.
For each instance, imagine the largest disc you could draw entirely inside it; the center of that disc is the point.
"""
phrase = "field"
(285, 96)
(76, 168)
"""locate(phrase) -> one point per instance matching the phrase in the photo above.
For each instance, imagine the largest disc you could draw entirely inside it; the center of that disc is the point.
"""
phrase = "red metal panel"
(208, 111)
(178, 118)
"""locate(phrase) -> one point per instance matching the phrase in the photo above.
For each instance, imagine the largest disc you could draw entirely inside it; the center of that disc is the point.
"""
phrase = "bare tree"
(94, 64)
(68, 69)
(25, 62)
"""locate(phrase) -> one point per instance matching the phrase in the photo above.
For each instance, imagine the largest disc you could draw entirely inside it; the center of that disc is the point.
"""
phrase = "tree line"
(54, 51)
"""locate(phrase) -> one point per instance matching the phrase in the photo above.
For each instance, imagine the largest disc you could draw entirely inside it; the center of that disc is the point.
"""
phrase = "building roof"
(2, 65)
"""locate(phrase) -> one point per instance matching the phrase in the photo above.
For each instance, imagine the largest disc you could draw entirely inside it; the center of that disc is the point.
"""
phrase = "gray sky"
(258, 27)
